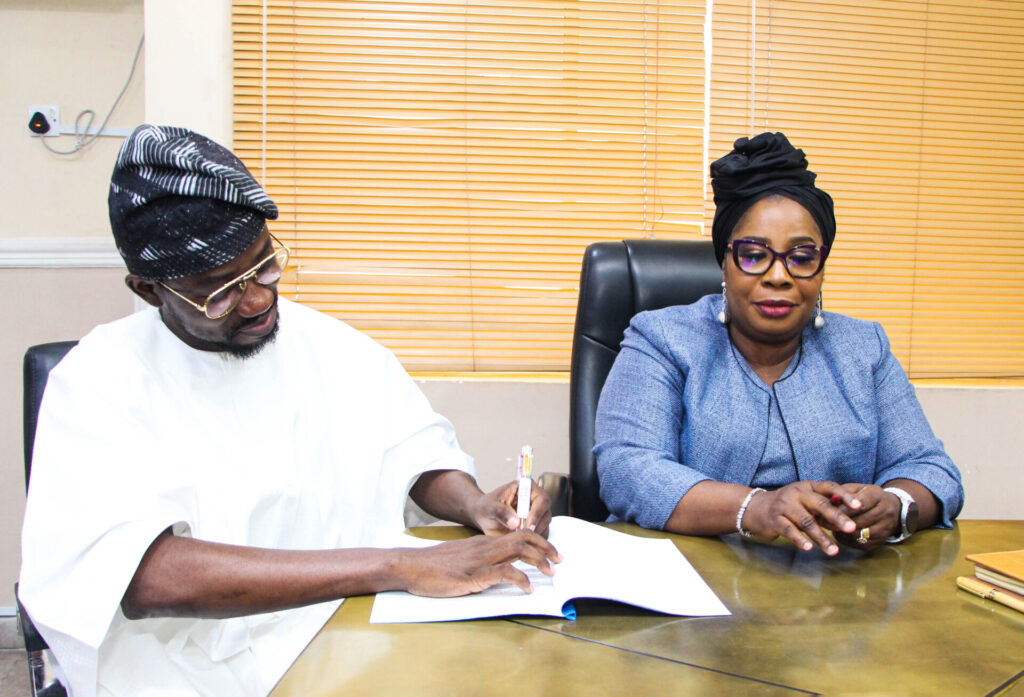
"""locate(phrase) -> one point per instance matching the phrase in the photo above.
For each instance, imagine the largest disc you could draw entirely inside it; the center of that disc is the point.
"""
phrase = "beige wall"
(188, 66)
(76, 53)
(495, 419)
(980, 427)
(58, 304)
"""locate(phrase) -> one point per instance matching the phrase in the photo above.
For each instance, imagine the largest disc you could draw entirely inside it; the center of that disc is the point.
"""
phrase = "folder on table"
(598, 563)
(1003, 569)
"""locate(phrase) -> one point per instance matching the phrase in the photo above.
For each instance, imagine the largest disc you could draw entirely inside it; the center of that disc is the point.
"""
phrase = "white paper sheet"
(598, 563)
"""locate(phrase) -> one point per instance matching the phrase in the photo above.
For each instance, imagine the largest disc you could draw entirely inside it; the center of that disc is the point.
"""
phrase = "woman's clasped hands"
(862, 516)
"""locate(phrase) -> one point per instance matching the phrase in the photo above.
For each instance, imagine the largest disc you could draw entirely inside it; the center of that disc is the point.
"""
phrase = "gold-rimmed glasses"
(226, 298)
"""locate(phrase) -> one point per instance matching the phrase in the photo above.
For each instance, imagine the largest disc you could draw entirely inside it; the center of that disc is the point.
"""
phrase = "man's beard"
(242, 352)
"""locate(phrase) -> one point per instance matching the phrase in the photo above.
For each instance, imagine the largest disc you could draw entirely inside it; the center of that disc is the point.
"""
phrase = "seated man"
(213, 474)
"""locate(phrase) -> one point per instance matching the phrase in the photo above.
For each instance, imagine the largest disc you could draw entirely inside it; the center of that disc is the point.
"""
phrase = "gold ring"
(865, 535)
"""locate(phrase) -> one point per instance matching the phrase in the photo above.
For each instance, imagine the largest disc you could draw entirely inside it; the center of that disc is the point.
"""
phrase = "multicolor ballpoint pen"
(524, 475)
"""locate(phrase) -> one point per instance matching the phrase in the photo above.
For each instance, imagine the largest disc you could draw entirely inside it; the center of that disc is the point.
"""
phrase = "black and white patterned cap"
(181, 204)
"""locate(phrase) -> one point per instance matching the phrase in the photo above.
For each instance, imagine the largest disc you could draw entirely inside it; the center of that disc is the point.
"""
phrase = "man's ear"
(145, 288)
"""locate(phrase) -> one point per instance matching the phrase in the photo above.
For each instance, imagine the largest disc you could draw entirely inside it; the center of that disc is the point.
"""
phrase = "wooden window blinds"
(912, 114)
(440, 166)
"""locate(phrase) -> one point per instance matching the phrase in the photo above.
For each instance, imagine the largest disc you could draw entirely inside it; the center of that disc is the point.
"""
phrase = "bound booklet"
(1003, 569)
(597, 563)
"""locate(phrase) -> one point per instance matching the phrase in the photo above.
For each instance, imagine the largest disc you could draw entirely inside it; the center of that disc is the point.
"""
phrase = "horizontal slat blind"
(912, 113)
(441, 166)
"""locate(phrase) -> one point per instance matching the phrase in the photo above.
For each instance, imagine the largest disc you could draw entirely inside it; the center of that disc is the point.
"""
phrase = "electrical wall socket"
(50, 113)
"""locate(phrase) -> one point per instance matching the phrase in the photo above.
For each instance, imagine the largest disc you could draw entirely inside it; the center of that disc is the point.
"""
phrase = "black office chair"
(39, 360)
(618, 280)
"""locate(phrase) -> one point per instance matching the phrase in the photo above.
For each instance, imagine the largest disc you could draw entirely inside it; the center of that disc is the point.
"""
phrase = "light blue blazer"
(681, 405)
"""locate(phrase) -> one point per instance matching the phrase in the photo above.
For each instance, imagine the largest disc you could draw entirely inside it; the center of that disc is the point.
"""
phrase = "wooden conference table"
(889, 623)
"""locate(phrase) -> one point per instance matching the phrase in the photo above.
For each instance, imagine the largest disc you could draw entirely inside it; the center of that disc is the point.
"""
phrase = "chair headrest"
(620, 279)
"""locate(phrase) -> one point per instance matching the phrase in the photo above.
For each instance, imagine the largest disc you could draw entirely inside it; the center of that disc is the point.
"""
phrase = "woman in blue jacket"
(757, 412)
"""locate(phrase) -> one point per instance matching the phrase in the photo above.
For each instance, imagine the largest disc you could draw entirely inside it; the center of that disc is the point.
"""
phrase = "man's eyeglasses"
(226, 298)
(755, 258)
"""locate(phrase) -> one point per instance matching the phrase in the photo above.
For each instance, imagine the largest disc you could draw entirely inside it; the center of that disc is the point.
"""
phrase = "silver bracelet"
(743, 509)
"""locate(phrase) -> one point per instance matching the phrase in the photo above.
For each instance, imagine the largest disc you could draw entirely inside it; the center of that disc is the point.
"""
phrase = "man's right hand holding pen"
(471, 565)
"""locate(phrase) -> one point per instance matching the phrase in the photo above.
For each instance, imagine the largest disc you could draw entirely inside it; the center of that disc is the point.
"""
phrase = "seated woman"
(757, 412)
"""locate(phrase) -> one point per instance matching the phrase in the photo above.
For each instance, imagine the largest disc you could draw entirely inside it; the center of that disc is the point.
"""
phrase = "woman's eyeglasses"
(755, 258)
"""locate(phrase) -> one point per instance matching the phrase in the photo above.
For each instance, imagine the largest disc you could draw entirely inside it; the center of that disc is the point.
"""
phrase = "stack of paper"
(597, 563)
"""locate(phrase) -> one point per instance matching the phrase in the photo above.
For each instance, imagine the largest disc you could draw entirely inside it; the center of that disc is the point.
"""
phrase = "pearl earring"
(819, 321)
(723, 316)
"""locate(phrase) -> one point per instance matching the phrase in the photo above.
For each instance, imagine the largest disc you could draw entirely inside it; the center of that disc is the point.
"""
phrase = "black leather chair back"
(618, 280)
(39, 360)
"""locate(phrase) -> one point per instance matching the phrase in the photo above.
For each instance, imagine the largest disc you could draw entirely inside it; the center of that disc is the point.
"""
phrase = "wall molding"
(59, 253)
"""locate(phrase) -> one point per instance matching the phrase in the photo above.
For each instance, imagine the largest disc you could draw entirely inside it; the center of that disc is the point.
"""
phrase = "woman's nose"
(777, 273)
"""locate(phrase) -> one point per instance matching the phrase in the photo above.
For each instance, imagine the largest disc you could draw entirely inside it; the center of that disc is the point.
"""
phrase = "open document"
(597, 563)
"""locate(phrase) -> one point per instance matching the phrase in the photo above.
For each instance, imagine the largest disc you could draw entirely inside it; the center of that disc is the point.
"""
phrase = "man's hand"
(185, 577)
(468, 566)
(454, 496)
(495, 513)
(879, 513)
(801, 512)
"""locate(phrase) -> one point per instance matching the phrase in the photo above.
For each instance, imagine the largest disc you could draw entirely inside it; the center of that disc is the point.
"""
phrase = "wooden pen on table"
(990, 592)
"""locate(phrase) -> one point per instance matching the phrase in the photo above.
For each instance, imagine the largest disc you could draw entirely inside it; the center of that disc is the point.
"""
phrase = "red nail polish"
(836, 499)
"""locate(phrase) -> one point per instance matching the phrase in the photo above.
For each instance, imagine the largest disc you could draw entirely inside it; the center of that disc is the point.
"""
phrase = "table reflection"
(889, 622)
(857, 623)
(881, 580)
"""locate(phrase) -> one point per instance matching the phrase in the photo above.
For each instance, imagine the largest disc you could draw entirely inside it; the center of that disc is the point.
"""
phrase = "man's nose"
(256, 299)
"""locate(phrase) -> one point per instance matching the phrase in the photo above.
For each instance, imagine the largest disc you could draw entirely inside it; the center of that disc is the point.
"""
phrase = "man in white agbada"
(213, 475)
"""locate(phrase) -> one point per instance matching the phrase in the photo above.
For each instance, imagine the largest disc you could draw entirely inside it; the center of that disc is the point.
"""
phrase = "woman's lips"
(775, 308)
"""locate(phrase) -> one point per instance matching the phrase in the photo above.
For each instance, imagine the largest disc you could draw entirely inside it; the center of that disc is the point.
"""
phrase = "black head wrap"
(181, 204)
(759, 167)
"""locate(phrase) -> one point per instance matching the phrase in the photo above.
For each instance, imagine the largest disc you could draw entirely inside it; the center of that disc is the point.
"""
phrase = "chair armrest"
(556, 486)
